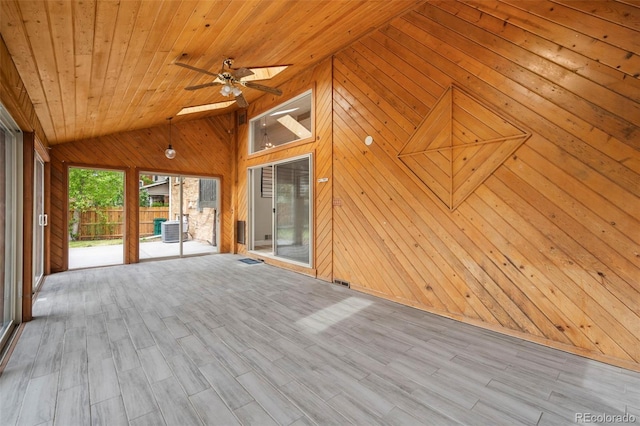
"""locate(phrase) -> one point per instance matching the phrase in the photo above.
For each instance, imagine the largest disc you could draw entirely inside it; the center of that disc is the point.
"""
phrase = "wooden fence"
(106, 224)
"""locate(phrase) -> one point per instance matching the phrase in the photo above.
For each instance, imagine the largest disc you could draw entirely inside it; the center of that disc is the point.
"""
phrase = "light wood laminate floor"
(211, 340)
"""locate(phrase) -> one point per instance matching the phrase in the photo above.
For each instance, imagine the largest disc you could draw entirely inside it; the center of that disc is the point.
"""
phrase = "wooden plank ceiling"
(97, 67)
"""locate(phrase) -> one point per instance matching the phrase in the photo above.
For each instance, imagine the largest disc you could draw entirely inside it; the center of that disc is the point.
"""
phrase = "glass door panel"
(96, 217)
(280, 210)
(40, 221)
(10, 221)
(261, 220)
(199, 215)
(178, 216)
(6, 286)
(292, 219)
(159, 235)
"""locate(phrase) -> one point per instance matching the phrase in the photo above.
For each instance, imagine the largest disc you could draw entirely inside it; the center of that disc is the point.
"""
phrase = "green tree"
(143, 197)
(95, 188)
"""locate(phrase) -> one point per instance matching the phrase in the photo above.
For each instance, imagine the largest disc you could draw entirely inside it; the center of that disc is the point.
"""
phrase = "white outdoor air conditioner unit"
(170, 231)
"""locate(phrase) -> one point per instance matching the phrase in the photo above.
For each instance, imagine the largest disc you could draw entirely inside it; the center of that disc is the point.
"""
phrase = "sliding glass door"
(292, 210)
(178, 215)
(40, 221)
(96, 217)
(280, 210)
(10, 224)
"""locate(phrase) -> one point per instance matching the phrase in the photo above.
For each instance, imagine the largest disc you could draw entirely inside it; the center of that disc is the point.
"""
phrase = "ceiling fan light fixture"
(232, 79)
(225, 90)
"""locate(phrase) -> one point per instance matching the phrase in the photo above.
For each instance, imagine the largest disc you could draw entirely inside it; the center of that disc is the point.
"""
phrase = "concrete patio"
(90, 257)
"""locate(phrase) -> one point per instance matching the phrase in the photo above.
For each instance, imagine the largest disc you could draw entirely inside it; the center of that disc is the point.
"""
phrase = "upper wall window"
(288, 122)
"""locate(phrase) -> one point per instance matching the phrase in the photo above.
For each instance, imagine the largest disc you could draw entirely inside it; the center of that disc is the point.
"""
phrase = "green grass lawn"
(94, 243)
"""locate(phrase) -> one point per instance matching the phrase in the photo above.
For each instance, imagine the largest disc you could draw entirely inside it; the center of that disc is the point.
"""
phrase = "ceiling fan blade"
(201, 86)
(257, 86)
(180, 64)
(241, 101)
(239, 73)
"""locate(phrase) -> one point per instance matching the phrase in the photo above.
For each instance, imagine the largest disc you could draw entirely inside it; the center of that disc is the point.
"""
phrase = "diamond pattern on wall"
(459, 145)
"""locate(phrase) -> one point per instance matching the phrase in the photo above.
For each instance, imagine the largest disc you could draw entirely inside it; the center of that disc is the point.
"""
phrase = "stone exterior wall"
(201, 222)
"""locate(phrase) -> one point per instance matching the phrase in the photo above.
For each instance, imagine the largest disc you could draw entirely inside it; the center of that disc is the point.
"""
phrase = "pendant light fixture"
(266, 143)
(170, 153)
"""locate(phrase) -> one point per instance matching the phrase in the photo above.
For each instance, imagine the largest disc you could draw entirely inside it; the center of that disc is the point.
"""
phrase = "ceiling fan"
(232, 78)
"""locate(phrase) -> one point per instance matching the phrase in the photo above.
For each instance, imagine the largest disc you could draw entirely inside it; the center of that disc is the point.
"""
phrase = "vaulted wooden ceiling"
(97, 67)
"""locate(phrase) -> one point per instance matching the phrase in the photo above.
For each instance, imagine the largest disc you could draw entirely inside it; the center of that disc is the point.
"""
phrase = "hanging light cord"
(170, 153)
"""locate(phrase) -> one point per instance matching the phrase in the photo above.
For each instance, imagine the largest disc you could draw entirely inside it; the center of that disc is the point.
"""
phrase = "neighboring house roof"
(157, 188)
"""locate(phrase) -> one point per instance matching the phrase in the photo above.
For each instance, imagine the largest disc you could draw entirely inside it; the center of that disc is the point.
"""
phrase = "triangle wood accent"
(458, 145)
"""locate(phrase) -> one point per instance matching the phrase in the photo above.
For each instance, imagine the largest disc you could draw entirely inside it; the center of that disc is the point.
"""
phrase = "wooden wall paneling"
(562, 235)
(572, 301)
(416, 95)
(62, 39)
(136, 82)
(577, 147)
(58, 229)
(106, 14)
(579, 212)
(396, 280)
(380, 94)
(427, 270)
(47, 210)
(108, 66)
(543, 244)
(593, 90)
(603, 199)
(369, 214)
(323, 168)
(491, 17)
(318, 78)
(131, 216)
(566, 36)
(233, 217)
(611, 323)
(357, 168)
(83, 40)
(539, 319)
(588, 23)
(137, 58)
(604, 109)
(621, 13)
(122, 40)
(37, 16)
(573, 142)
(180, 30)
(204, 148)
(14, 95)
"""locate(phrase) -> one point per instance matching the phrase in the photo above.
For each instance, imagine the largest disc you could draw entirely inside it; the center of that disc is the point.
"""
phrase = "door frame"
(40, 221)
(217, 218)
(251, 191)
(13, 245)
(66, 217)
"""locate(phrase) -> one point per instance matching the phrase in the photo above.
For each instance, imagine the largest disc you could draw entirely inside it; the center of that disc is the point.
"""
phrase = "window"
(289, 122)
(266, 182)
(207, 197)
